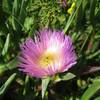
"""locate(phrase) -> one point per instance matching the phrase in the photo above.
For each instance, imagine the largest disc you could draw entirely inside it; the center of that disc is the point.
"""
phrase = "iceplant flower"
(52, 52)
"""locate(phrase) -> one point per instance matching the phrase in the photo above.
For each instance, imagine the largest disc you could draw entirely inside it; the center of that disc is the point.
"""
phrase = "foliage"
(20, 19)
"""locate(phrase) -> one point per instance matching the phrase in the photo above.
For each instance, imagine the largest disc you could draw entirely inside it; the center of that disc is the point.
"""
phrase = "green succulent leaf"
(64, 77)
(91, 91)
(6, 45)
(6, 85)
(45, 82)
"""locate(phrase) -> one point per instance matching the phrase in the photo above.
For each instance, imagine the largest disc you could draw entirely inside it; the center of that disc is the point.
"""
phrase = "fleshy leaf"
(90, 91)
(9, 66)
(6, 45)
(65, 77)
(5, 86)
(45, 82)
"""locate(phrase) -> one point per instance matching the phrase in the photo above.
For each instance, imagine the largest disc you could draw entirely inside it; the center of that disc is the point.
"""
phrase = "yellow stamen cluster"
(46, 59)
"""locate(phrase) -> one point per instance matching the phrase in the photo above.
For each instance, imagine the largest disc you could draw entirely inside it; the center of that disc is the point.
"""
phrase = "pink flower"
(52, 52)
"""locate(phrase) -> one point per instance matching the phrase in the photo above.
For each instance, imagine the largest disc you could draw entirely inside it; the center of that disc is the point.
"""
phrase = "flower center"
(47, 59)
